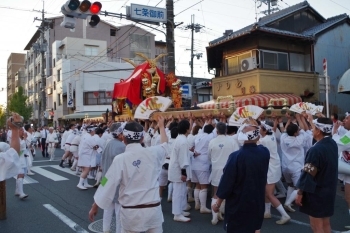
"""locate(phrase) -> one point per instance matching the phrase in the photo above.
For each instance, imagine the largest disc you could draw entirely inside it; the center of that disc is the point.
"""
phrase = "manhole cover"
(98, 227)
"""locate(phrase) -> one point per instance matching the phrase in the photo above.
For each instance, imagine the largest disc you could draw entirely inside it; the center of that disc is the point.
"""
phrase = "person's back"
(246, 201)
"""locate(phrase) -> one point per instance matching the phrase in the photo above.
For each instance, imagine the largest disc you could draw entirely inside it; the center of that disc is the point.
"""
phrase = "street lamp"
(107, 111)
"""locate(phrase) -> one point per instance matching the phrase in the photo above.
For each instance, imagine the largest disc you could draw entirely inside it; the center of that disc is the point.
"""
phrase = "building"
(120, 42)
(14, 63)
(160, 48)
(75, 94)
(281, 56)
(20, 79)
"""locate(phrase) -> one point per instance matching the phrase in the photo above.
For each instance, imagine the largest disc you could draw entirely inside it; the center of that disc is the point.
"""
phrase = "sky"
(215, 15)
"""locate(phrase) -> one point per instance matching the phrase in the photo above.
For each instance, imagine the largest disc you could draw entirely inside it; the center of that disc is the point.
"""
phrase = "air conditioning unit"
(248, 64)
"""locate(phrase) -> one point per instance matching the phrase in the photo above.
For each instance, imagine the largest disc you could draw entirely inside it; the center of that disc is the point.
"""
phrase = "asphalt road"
(55, 204)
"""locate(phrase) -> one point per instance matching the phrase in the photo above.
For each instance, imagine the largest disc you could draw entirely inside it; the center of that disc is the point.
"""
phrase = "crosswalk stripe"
(66, 170)
(27, 180)
(48, 174)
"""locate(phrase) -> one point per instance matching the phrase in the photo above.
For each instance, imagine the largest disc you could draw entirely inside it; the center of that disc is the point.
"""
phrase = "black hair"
(327, 121)
(174, 132)
(292, 129)
(99, 131)
(79, 127)
(195, 129)
(335, 116)
(183, 126)
(70, 126)
(26, 127)
(231, 130)
(221, 128)
(172, 125)
(208, 129)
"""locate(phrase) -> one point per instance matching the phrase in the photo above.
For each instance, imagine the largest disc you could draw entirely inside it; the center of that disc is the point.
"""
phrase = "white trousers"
(107, 218)
(179, 202)
(51, 151)
(153, 230)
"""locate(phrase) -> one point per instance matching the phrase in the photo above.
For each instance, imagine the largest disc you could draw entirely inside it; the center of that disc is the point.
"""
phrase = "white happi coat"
(201, 145)
(75, 145)
(219, 150)
(64, 138)
(343, 149)
(136, 172)
(23, 151)
(180, 159)
(274, 173)
(9, 162)
(293, 151)
(51, 140)
(87, 155)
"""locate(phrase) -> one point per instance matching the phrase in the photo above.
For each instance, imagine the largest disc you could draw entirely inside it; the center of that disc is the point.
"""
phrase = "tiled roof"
(329, 22)
(264, 21)
(284, 32)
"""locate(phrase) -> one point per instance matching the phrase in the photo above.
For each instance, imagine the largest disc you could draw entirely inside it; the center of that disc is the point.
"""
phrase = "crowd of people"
(247, 168)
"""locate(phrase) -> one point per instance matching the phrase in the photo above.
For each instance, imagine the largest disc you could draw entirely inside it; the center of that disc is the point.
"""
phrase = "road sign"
(145, 13)
(187, 91)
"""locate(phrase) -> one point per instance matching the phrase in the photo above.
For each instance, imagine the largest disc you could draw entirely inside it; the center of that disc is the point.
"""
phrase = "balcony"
(263, 81)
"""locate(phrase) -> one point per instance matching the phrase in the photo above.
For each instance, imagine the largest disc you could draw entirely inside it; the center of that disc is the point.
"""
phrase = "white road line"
(48, 174)
(65, 219)
(28, 180)
(42, 161)
(300, 223)
(66, 169)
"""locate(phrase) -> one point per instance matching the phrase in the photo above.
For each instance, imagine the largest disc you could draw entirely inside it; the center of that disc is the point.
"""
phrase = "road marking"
(48, 174)
(65, 219)
(300, 223)
(42, 161)
(27, 180)
(66, 170)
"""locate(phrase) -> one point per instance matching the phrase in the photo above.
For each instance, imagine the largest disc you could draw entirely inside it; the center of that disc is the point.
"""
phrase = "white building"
(88, 73)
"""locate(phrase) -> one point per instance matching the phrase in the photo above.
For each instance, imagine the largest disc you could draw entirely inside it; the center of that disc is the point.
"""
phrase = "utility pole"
(194, 28)
(42, 48)
(269, 3)
(170, 41)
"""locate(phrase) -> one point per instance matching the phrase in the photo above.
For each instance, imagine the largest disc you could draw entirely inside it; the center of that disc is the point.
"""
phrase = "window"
(54, 85)
(113, 32)
(203, 98)
(59, 99)
(58, 75)
(39, 71)
(54, 62)
(274, 60)
(91, 50)
(233, 63)
(97, 98)
(54, 105)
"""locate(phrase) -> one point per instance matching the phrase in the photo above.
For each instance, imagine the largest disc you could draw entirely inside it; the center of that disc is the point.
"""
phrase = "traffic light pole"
(192, 45)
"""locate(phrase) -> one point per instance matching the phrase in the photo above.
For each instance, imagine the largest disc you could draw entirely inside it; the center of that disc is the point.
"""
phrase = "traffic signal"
(73, 9)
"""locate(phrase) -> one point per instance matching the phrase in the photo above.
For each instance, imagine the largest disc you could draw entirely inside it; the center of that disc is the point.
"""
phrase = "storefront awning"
(261, 100)
(81, 115)
(344, 83)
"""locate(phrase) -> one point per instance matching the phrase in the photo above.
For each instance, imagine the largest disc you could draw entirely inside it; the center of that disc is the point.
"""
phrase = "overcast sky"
(215, 15)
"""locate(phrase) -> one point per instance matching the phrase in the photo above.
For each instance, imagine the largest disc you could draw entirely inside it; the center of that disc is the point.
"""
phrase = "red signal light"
(95, 8)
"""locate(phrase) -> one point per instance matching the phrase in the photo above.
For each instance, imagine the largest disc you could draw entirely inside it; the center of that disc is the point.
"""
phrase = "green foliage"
(18, 103)
(2, 116)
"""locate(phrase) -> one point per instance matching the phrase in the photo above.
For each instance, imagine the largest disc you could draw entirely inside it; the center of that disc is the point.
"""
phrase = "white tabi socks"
(203, 202)
(86, 183)
(16, 191)
(196, 199)
(22, 195)
(285, 217)
(98, 178)
(81, 184)
(190, 194)
(267, 213)
(215, 219)
(291, 195)
(170, 192)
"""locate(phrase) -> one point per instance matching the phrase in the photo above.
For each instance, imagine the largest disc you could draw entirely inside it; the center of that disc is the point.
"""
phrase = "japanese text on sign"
(147, 13)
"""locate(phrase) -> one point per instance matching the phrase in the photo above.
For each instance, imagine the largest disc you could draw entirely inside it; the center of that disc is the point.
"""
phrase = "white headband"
(250, 135)
(347, 114)
(267, 127)
(134, 136)
(91, 129)
(323, 127)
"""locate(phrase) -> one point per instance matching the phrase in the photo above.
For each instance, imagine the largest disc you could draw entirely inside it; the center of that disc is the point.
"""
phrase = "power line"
(189, 7)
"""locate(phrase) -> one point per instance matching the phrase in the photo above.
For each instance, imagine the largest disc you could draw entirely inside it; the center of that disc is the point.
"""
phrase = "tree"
(2, 116)
(18, 103)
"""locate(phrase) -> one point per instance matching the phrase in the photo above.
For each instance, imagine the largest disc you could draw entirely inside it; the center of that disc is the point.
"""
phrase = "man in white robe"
(177, 174)
(219, 150)
(136, 172)
(65, 146)
(51, 143)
